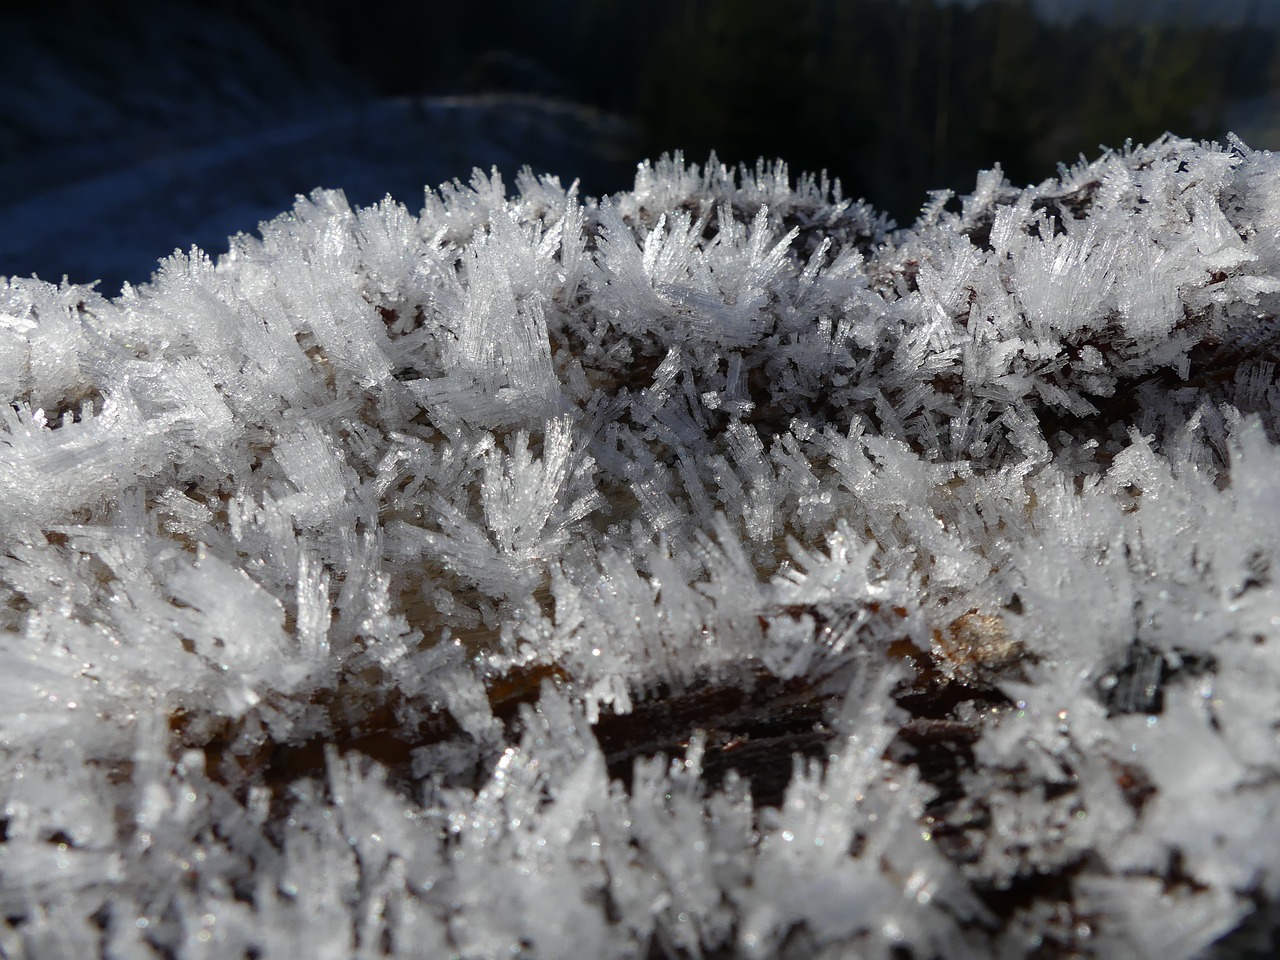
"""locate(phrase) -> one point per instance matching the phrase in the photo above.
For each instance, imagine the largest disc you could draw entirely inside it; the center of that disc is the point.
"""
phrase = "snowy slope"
(109, 225)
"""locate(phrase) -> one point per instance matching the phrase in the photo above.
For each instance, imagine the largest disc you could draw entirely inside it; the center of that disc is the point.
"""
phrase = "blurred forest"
(895, 97)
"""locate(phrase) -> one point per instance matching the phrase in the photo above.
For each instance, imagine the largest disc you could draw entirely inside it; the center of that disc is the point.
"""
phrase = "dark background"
(130, 129)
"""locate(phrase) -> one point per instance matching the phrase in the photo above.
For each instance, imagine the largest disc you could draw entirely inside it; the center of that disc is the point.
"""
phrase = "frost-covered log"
(707, 570)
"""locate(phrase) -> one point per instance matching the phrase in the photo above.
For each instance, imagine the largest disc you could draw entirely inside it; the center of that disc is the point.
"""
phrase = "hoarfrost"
(712, 569)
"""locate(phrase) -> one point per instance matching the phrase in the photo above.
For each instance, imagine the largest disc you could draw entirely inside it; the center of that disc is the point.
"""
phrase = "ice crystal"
(709, 569)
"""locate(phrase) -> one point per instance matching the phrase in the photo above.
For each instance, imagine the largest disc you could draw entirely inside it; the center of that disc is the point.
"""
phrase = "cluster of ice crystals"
(464, 583)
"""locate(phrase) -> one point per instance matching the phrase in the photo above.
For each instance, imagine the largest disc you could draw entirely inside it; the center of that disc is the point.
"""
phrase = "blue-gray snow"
(708, 570)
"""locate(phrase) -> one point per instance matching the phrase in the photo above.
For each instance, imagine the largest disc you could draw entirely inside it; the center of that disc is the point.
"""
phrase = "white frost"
(463, 583)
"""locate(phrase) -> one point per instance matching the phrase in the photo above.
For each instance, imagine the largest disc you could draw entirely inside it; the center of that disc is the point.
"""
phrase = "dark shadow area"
(132, 129)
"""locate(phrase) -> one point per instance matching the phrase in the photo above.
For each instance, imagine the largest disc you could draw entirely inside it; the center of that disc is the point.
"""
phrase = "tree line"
(895, 97)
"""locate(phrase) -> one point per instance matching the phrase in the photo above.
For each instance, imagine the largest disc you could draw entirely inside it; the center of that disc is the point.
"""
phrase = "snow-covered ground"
(110, 225)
